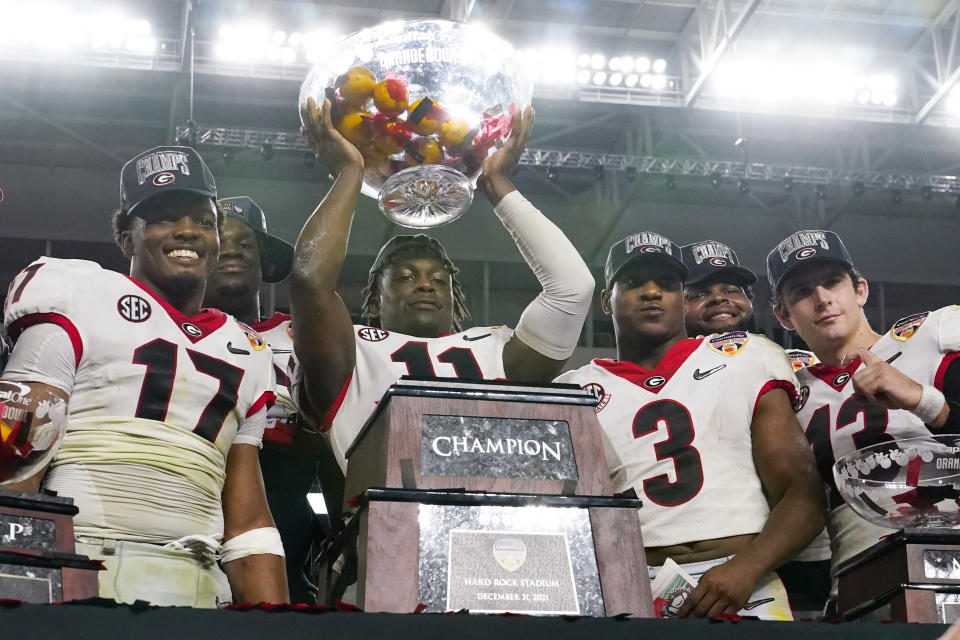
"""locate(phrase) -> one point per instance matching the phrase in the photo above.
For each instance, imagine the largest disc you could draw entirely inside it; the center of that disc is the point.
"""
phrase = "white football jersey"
(680, 434)
(277, 332)
(836, 423)
(158, 400)
(384, 357)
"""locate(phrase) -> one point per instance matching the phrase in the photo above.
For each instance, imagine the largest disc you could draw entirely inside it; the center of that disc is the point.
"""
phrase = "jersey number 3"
(688, 470)
(160, 358)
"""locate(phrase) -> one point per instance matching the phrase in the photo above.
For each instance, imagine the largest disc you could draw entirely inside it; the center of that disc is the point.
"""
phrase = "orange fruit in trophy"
(356, 85)
(423, 151)
(390, 97)
(426, 116)
(355, 127)
(453, 132)
(390, 136)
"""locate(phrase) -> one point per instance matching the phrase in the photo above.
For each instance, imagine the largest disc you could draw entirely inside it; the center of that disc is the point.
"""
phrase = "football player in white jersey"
(719, 298)
(853, 397)
(167, 401)
(249, 257)
(414, 305)
(703, 431)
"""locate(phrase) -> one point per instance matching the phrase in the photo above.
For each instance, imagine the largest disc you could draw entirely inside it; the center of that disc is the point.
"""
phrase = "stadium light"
(55, 28)
(803, 79)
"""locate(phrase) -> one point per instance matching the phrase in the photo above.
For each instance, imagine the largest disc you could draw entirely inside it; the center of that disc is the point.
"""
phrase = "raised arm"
(550, 326)
(323, 331)
(786, 469)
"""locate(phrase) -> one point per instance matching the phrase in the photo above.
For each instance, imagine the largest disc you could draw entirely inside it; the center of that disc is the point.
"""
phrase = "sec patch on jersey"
(730, 343)
(904, 328)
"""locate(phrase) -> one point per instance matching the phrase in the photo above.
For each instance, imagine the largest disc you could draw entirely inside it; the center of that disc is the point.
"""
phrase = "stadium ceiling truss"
(928, 72)
(629, 165)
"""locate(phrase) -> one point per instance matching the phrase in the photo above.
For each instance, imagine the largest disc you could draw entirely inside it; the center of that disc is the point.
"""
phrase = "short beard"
(182, 287)
(744, 324)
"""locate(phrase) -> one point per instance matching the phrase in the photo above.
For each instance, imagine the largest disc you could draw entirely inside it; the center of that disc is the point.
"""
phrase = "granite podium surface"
(37, 559)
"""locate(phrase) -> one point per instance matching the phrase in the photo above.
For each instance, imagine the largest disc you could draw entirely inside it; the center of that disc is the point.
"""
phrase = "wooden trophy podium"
(491, 497)
(37, 559)
(911, 576)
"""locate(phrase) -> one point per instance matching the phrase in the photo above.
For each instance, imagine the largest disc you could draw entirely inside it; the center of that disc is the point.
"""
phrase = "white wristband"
(930, 405)
(265, 540)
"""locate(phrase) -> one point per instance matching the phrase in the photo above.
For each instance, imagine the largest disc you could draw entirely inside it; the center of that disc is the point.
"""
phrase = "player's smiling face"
(646, 300)
(416, 295)
(173, 244)
(822, 303)
(238, 269)
(714, 306)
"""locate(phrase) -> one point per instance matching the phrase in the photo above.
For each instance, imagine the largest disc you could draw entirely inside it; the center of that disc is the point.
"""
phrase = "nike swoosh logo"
(700, 375)
(472, 338)
(239, 352)
(756, 603)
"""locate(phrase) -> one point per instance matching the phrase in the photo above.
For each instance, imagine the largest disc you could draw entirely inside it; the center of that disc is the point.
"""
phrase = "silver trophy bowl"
(913, 482)
(33, 421)
(425, 101)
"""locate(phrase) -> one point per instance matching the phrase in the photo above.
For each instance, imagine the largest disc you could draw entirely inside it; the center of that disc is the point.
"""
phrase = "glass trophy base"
(425, 196)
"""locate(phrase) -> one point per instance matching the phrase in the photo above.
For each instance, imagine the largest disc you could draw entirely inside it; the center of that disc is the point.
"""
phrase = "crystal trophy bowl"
(32, 423)
(425, 101)
(913, 482)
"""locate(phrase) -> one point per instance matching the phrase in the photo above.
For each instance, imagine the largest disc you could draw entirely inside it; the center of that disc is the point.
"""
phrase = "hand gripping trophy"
(425, 102)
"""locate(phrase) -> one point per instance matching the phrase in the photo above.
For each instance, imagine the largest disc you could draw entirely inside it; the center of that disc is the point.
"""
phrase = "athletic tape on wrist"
(265, 540)
(930, 405)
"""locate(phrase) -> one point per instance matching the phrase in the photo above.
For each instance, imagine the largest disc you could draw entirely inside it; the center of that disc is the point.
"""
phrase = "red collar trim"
(207, 321)
(273, 321)
(835, 377)
(672, 360)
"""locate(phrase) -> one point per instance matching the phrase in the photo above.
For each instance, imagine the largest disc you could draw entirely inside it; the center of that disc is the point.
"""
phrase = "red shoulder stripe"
(942, 369)
(273, 321)
(266, 400)
(62, 321)
(328, 418)
(770, 385)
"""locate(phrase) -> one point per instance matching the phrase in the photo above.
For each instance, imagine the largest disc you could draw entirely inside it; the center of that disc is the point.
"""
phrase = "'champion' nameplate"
(496, 448)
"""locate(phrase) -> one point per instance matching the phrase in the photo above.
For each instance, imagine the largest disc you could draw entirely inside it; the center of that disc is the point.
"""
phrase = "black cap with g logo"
(164, 169)
(712, 258)
(642, 247)
(804, 247)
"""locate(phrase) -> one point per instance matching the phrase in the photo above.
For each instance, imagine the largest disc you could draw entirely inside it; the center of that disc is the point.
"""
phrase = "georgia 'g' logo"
(133, 308)
(191, 329)
(717, 262)
(806, 252)
(654, 382)
(841, 379)
(163, 179)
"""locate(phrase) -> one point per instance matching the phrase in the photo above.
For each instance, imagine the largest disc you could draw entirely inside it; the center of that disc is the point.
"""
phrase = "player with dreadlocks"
(414, 306)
